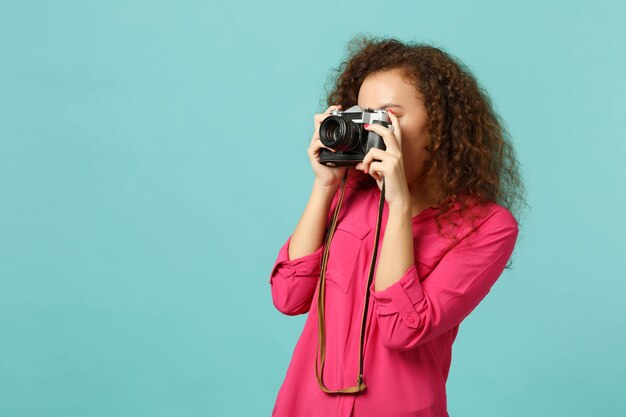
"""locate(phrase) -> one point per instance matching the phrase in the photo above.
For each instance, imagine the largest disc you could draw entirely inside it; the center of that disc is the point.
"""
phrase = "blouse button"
(410, 318)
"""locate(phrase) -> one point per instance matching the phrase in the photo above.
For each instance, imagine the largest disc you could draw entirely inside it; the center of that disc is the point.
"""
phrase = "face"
(387, 89)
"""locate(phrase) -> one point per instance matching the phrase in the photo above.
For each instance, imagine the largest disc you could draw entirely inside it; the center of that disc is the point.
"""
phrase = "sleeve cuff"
(304, 266)
(401, 297)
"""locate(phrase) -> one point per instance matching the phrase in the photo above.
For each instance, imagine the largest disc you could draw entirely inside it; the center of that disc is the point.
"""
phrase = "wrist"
(400, 209)
(325, 189)
(401, 205)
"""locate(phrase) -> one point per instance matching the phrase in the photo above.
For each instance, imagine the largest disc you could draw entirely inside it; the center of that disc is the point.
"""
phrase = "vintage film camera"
(343, 131)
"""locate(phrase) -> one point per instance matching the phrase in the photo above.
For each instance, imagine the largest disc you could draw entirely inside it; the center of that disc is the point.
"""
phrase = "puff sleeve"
(410, 313)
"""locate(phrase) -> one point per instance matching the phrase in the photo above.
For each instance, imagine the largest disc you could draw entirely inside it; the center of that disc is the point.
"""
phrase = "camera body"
(343, 131)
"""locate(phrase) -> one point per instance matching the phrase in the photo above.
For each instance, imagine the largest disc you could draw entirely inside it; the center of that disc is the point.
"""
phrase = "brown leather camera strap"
(321, 348)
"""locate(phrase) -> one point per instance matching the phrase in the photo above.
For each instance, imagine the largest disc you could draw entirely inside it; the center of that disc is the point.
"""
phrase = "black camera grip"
(374, 140)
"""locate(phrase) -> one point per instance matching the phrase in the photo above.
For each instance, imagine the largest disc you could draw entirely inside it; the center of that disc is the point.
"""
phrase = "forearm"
(309, 232)
(396, 254)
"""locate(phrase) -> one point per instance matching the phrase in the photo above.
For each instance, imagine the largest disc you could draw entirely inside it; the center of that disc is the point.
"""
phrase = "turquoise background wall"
(153, 160)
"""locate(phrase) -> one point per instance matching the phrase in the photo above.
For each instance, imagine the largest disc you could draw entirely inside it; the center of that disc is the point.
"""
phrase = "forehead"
(385, 88)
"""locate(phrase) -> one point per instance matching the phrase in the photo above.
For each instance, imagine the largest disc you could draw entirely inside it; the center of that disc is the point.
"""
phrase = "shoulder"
(496, 215)
(480, 221)
(498, 227)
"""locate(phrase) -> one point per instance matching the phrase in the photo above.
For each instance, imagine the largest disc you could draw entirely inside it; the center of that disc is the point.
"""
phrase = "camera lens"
(339, 133)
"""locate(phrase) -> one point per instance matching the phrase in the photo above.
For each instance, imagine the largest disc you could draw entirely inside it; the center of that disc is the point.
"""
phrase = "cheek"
(413, 139)
(409, 140)
(414, 156)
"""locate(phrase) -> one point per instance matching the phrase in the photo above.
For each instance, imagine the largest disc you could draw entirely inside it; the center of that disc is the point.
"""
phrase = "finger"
(388, 137)
(319, 144)
(316, 144)
(319, 117)
(333, 107)
(316, 133)
(375, 153)
(377, 170)
(396, 125)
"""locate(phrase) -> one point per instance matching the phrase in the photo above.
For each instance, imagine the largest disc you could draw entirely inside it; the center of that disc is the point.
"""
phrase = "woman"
(447, 232)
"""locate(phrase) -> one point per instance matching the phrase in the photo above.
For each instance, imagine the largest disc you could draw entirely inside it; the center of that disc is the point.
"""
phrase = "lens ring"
(339, 133)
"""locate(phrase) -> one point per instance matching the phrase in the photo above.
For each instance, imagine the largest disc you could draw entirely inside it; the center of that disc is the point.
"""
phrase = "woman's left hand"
(390, 164)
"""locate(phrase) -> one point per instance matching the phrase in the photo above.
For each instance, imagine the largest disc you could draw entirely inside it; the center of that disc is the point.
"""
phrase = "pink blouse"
(411, 325)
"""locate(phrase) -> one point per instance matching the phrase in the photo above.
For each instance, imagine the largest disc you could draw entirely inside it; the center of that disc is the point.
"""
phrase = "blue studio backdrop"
(153, 160)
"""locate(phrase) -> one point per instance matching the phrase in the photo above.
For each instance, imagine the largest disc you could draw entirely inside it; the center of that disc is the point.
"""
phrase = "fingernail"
(391, 111)
(366, 125)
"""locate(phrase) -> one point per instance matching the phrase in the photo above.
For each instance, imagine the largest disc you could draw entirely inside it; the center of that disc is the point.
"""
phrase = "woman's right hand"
(325, 176)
